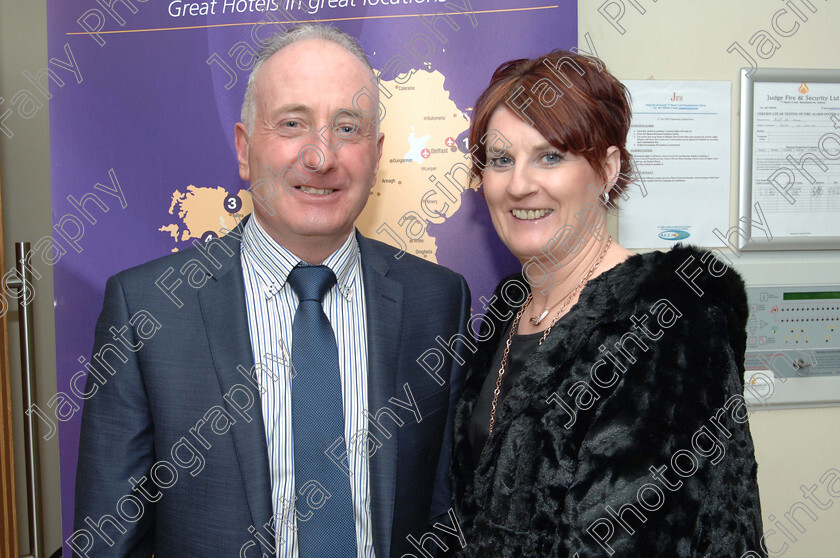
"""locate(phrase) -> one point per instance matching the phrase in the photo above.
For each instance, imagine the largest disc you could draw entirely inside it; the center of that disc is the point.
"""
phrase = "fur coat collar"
(626, 433)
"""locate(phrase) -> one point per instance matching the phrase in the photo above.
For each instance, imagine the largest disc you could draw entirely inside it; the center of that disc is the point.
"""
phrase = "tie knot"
(311, 282)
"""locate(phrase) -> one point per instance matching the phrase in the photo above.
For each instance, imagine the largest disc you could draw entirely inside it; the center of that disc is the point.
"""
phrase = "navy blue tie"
(324, 503)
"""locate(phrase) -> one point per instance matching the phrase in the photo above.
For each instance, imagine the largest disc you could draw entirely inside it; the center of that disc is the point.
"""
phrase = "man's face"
(311, 145)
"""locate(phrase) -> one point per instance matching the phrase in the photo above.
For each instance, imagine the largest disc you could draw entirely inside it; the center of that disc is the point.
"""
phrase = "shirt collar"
(273, 262)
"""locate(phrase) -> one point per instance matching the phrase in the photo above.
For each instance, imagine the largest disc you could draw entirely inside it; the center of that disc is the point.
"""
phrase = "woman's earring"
(606, 197)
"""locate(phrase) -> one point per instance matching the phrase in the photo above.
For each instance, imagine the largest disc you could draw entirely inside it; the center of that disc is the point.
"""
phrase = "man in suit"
(212, 367)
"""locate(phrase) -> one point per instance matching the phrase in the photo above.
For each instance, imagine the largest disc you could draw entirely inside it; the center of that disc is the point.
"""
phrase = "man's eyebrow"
(307, 110)
(296, 107)
(352, 112)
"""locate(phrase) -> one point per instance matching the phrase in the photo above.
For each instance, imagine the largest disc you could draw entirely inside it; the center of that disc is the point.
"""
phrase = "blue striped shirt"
(271, 306)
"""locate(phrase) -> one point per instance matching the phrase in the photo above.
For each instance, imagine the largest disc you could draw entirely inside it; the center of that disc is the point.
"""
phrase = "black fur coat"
(633, 448)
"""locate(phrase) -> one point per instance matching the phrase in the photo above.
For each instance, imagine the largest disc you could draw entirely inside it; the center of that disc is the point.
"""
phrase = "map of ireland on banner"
(421, 127)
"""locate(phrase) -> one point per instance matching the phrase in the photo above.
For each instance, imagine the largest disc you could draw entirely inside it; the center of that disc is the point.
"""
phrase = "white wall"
(683, 40)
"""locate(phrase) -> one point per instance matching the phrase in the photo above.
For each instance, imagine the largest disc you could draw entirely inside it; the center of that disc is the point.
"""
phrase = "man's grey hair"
(282, 40)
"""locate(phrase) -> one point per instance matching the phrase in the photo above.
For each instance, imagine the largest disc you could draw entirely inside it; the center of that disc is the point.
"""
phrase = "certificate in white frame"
(790, 159)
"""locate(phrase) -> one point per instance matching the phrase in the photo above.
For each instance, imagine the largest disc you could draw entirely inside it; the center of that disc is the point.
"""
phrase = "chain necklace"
(566, 301)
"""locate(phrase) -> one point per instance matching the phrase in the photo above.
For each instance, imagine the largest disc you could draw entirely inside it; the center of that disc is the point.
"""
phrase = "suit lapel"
(225, 316)
(384, 311)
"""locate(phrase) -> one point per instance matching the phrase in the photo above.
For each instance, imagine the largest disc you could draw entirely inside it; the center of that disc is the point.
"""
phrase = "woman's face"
(533, 190)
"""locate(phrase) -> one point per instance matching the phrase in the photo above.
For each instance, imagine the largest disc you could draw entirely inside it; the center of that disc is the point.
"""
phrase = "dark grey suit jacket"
(172, 398)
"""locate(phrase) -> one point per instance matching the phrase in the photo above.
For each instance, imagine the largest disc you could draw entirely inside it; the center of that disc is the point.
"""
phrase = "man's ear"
(241, 140)
(379, 143)
(611, 167)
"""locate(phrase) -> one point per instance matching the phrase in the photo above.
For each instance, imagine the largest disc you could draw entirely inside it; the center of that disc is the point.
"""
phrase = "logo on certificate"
(674, 235)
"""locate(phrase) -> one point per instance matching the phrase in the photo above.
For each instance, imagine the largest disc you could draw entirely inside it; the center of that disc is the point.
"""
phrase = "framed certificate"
(790, 160)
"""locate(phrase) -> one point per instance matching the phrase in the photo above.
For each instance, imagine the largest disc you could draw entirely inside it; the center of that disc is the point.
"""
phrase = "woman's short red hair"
(571, 99)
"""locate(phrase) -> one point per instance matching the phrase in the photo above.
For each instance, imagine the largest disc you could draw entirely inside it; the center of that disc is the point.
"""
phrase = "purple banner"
(144, 98)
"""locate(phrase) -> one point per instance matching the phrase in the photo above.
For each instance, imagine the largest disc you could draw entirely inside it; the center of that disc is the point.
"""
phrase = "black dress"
(521, 347)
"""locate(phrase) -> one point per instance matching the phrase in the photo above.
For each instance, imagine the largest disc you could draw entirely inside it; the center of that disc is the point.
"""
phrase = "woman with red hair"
(603, 413)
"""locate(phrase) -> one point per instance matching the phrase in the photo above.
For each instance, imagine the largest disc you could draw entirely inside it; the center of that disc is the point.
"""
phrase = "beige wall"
(684, 40)
(25, 166)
